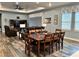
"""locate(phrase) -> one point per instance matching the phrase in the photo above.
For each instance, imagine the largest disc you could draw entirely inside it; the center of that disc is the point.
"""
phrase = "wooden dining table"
(38, 37)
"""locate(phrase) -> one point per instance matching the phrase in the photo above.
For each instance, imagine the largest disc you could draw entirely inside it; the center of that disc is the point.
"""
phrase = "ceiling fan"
(18, 6)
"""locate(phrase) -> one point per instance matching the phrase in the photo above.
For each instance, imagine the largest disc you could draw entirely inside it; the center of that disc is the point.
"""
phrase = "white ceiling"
(28, 6)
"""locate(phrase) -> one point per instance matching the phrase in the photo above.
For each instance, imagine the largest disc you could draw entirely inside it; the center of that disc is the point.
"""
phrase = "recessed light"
(37, 2)
(50, 4)
(17, 3)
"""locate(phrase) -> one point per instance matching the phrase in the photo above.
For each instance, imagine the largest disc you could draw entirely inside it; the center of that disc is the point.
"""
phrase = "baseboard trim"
(72, 39)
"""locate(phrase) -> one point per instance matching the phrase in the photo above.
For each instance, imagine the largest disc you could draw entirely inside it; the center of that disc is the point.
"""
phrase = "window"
(77, 21)
(66, 21)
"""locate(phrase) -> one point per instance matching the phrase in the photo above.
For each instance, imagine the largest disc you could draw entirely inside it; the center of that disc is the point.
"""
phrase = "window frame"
(75, 23)
(64, 22)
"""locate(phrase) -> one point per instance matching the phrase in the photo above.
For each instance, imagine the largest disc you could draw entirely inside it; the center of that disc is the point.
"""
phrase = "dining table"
(38, 38)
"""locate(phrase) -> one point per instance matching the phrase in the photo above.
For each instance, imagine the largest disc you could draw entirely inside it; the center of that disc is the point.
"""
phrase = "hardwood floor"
(13, 47)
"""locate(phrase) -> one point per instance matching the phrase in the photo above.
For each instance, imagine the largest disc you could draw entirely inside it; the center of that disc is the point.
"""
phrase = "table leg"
(29, 48)
(62, 44)
(25, 46)
(52, 45)
(38, 43)
(59, 44)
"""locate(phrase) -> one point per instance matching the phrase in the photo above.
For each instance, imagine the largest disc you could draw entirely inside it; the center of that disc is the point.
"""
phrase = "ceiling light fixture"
(17, 3)
(50, 4)
(37, 2)
(18, 6)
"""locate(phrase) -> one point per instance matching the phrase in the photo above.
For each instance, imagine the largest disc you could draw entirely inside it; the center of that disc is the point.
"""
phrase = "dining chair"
(46, 43)
(34, 43)
(62, 34)
(58, 30)
(25, 37)
(28, 41)
(55, 41)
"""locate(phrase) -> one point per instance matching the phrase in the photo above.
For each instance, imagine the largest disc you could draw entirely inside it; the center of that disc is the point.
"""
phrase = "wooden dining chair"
(46, 43)
(56, 41)
(52, 42)
(62, 34)
(31, 44)
(28, 45)
(58, 30)
(34, 44)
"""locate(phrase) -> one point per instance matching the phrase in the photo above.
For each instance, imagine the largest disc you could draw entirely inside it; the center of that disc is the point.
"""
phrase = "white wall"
(51, 27)
(6, 16)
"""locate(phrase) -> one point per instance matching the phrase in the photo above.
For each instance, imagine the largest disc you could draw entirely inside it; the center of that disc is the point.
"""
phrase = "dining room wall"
(50, 14)
(70, 34)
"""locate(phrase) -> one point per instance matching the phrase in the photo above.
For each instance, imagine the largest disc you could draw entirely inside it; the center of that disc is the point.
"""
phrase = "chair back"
(56, 36)
(62, 34)
(47, 37)
(58, 30)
